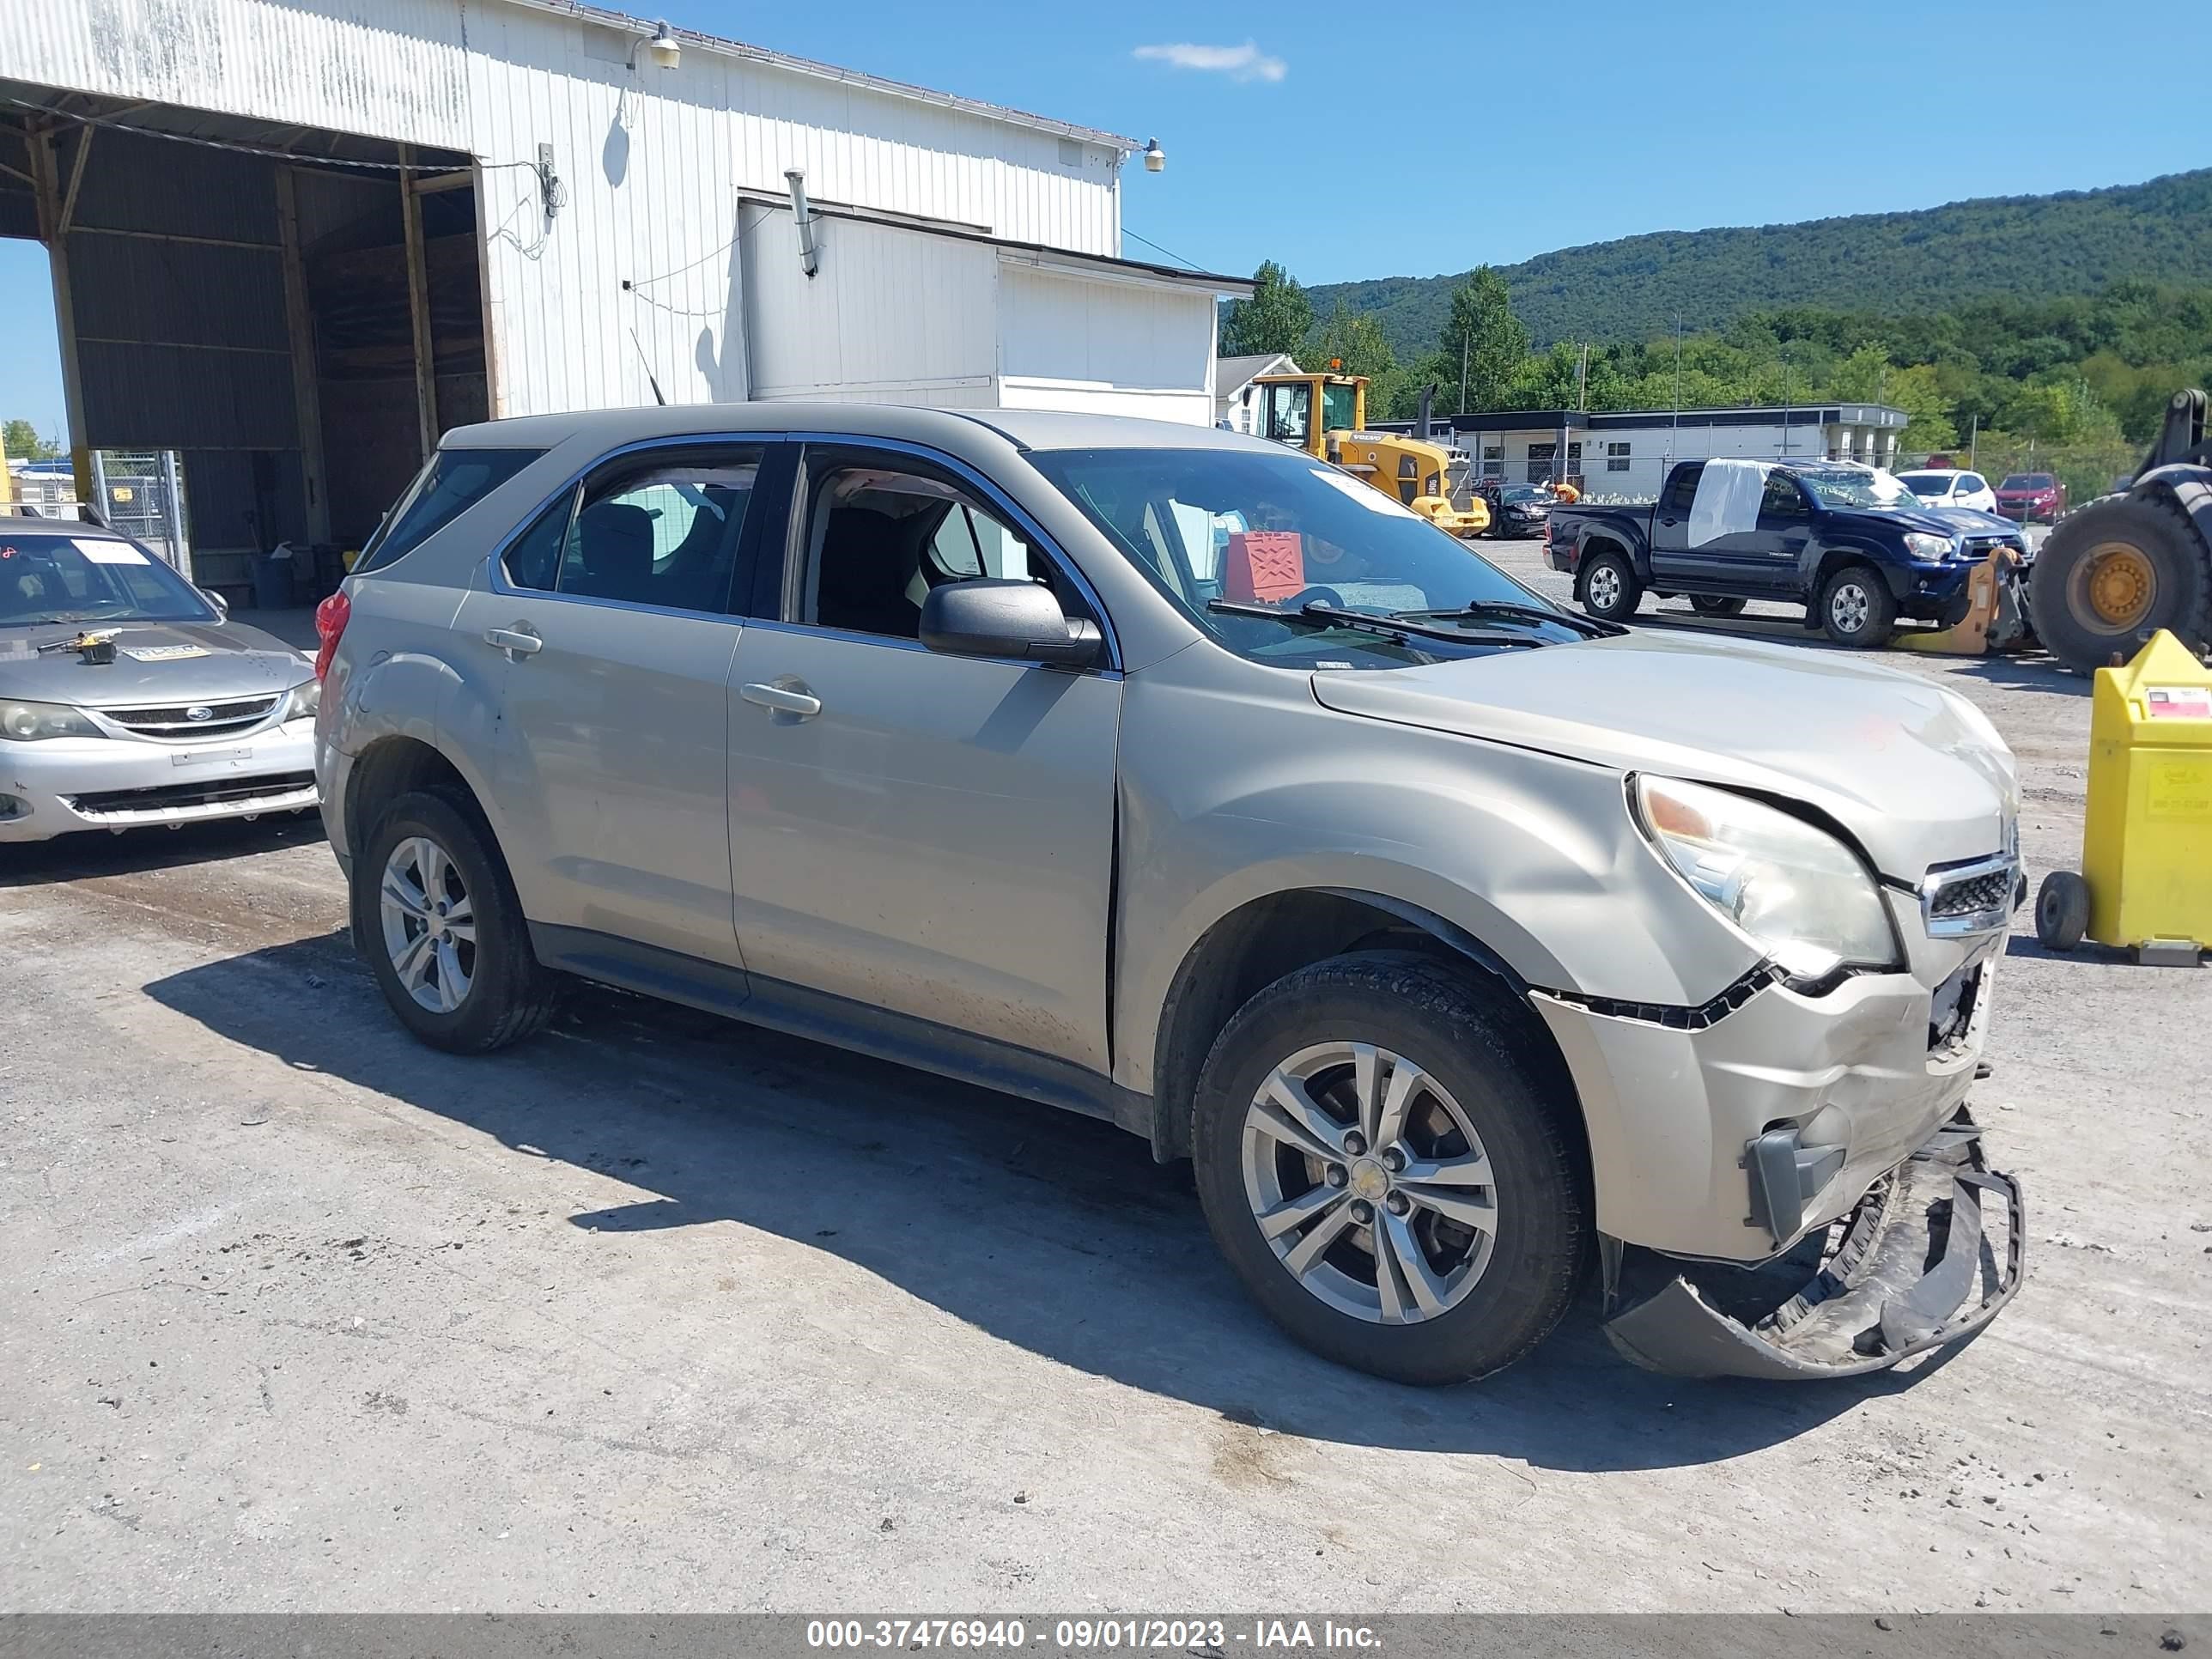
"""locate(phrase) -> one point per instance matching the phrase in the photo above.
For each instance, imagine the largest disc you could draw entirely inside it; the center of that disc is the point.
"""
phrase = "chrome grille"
(174, 722)
(1973, 897)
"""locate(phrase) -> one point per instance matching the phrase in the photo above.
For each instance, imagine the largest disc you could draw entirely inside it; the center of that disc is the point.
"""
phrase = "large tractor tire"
(2115, 571)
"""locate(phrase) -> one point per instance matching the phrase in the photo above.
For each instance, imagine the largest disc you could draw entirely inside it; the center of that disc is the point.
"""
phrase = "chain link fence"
(138, 492)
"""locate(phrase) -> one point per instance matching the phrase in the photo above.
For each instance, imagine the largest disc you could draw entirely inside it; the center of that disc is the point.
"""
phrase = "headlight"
(1921, 545)
(33, 722)
(1801, 895)
(302, 702)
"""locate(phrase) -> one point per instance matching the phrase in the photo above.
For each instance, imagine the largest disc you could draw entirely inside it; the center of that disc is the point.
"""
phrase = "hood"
(1933, 520)
(198, 661)
(1972, 520)
(1912, 770)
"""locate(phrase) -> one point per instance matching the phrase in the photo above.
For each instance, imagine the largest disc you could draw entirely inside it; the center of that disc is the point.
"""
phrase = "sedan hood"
(1908, 767)
(173, 662)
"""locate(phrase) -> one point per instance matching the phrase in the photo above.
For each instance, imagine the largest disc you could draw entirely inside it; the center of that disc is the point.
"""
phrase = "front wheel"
(1857, 608)
(1383, 1167)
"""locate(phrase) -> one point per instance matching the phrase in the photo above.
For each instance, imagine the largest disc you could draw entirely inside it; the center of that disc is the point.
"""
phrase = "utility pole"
(1974, 443)
(1581, 382)
(1675, 432)
(1465, 339)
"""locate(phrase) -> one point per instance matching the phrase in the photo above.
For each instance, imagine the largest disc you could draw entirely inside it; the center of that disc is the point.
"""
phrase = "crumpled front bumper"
(1915, 1265)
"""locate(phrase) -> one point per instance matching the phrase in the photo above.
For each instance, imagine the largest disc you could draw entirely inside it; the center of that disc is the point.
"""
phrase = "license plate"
(213, 757)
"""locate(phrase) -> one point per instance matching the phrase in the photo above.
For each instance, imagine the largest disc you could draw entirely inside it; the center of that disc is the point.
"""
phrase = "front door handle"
(517, 642)
(782, 699)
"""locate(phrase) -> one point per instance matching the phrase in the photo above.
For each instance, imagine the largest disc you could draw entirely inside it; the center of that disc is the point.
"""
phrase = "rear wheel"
(1857, 608)
(1378, 1161)
(1715, 604)
(1608, 587)
(436, 914)
(2114, 572)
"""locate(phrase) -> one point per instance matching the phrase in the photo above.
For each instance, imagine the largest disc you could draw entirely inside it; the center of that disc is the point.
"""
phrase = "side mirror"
(221, 605)
(1005, 617)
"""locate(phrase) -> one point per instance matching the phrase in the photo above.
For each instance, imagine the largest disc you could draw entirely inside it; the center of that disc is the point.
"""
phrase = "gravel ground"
(656, 1313)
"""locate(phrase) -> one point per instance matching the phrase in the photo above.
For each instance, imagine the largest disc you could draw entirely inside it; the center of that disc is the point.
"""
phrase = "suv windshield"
(1523, 493)
(1926, 483)
(49, 578)
(1859, 490)
(1280, 532)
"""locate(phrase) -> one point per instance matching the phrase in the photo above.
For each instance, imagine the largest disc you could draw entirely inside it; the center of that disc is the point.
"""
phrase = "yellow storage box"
(2147, 847)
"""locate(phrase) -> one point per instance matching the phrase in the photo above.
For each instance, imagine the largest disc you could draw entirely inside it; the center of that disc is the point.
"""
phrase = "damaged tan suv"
(1466, 944)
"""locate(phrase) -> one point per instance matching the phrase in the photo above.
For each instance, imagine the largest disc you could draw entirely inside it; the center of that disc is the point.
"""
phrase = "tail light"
(332, 617)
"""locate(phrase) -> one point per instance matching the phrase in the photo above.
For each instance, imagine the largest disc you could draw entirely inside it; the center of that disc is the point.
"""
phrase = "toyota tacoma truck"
(1467, 945)
(1848, 542)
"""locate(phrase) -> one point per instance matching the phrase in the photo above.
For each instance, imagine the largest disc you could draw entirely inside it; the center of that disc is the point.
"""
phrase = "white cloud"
(1244, 62)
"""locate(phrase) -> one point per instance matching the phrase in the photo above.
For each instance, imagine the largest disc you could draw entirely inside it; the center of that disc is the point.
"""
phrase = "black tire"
(1855, 608)
(1716, 604)
(1431, 1013)
(2173, 554)
(1608, 600)
(509, 993)
(2062, 910)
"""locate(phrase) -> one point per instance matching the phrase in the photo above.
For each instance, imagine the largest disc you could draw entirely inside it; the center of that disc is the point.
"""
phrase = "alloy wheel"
(429, 924)
(1848, 607)
(1604, 587)
(1369, 1182)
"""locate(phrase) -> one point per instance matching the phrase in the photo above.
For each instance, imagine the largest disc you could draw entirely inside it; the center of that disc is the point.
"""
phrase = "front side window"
(880, 537)
(454, 481)
(1780, 499)
(1244, 543)
(93, 579)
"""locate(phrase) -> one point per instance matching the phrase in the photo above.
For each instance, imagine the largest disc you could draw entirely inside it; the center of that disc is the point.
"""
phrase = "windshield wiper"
(1507, 609)
(1398, 626)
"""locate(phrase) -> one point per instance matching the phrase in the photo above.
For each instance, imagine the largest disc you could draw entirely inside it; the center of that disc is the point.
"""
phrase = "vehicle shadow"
(76, 857)
(1046, 1230)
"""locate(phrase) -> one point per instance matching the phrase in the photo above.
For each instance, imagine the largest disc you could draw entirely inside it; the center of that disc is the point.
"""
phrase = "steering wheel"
(1306, 596)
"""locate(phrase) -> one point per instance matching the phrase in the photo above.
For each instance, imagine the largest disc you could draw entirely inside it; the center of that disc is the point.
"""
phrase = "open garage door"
(298, 313)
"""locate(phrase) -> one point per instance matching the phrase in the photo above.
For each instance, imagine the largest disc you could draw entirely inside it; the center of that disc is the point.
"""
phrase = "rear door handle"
(782, 699)
(517, 643)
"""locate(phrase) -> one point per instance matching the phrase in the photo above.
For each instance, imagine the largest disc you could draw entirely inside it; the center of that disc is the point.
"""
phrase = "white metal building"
(296, 239)
(1626, 454)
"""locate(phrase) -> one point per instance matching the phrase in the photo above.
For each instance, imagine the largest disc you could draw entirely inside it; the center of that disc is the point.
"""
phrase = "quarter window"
(454, 481)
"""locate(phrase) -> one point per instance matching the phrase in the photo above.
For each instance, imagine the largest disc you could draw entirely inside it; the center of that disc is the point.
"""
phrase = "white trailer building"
(295, 239)
(1624, 454)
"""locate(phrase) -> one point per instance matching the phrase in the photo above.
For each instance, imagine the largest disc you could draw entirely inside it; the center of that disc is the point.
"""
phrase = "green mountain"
(2028, 247)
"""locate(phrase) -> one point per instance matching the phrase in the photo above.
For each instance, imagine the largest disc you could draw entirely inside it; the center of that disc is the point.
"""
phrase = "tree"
(1356, 344)
(1277, 318)
(22, 440)
(1482, 331)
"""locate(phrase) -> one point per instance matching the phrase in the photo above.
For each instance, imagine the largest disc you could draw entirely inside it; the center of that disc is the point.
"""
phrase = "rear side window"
(1682, 488)
(666, 532)
(454, 481)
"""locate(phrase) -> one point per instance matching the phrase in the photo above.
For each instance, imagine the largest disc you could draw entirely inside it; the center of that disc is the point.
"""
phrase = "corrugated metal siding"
(179, 189)
(389, 69)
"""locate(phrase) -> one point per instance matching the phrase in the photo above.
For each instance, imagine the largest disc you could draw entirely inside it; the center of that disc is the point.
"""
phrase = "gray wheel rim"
(429, 924)
(1605, 587)
(1848, 607)
(1369, 1183)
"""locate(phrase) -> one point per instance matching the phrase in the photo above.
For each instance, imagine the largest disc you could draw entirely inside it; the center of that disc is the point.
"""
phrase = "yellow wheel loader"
(1326, 415)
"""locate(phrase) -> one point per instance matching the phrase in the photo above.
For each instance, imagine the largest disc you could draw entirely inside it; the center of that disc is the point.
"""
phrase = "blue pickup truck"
(1848, 543)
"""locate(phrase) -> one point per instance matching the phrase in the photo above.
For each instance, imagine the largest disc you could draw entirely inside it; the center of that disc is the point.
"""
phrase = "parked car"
(1521, 510)
(1848, 542)
(128, 698)
(1460, 939)
(1950, 487)
(2027, 497)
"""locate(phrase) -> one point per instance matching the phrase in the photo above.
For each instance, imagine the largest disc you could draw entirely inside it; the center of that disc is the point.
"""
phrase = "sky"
(1346, 142)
